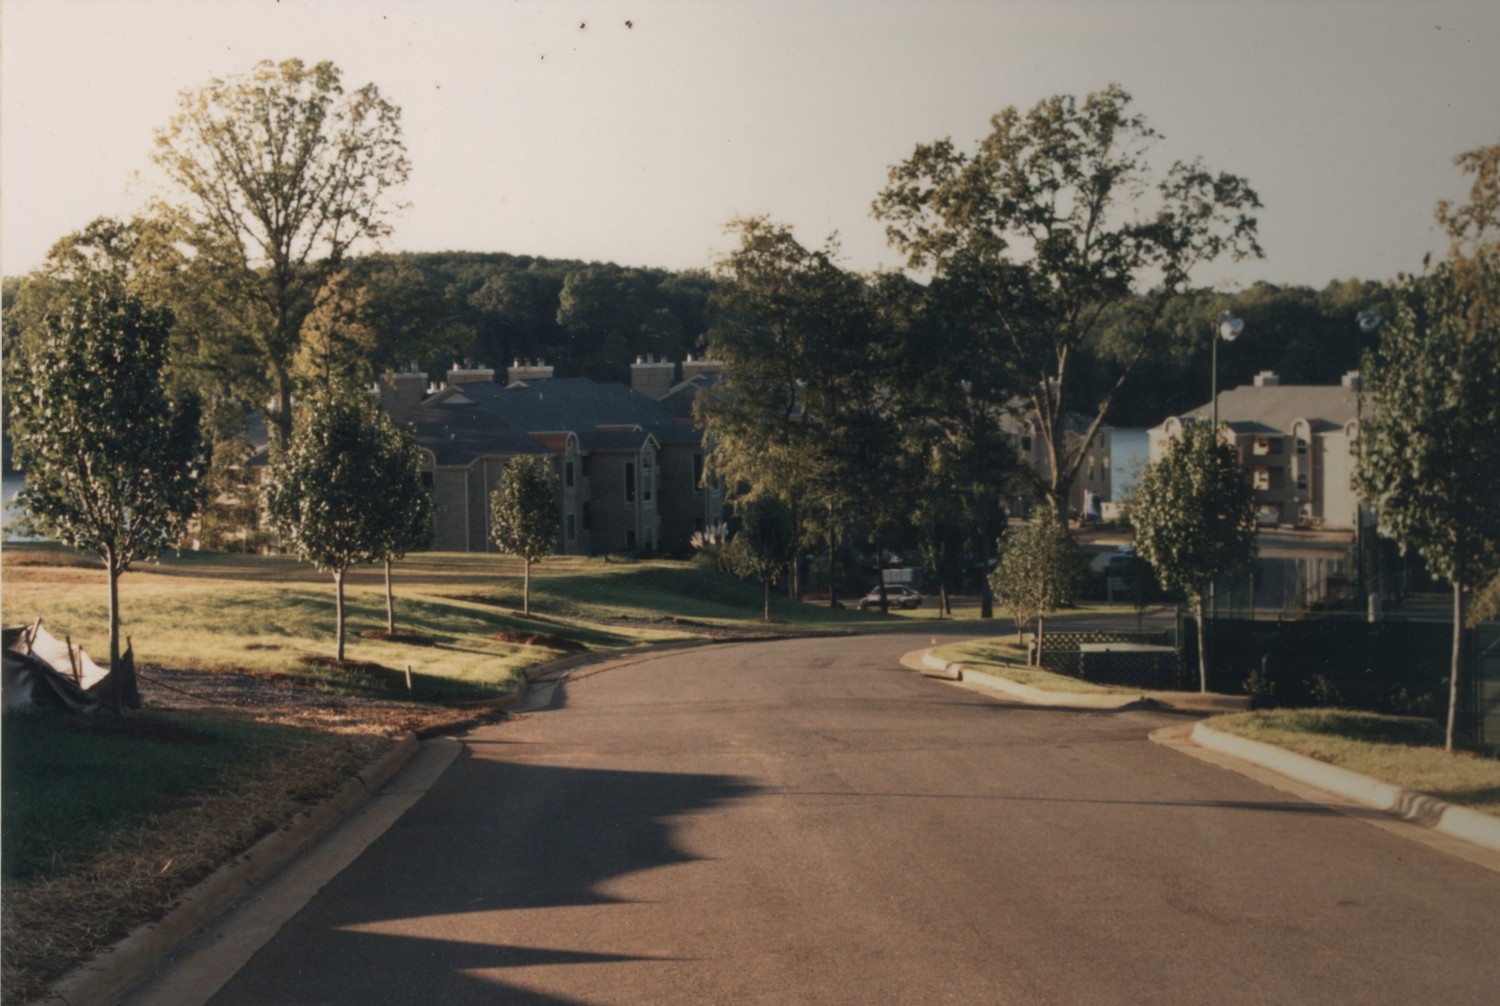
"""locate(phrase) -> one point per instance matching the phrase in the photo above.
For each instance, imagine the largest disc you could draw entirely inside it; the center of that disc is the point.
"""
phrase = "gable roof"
(579, 404)
(457, 432)
(1271, 410)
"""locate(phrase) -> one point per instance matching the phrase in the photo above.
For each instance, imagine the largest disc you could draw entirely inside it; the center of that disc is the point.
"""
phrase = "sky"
(557, 129)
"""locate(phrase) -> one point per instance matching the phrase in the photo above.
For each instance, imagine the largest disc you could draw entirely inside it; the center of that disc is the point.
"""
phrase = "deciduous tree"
(1428, 452)
(1041, 568)
(323, 492)
(1057, 216)
(405, 511)
(766, 543)
(112, 461)
(1194, 519)
(283, 172)
(523, 514)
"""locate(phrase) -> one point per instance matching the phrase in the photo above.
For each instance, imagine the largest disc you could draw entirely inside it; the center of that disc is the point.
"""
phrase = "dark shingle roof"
(576, 403)
(458, 431)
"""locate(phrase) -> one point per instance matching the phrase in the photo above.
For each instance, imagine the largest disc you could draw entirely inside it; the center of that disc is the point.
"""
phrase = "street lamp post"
(1229, 330)
(1367, 322)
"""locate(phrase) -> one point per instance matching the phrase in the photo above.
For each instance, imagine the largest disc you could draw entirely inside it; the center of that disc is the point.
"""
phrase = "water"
(12, 484)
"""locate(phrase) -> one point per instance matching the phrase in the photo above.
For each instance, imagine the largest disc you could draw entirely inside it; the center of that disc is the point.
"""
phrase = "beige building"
(1297, 442)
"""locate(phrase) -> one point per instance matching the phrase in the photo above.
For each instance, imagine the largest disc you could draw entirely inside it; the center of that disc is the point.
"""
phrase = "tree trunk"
(283, 405)
(1202, 610)
(117, 687)
(766, 617)
(390, 601)
(832, 583)
(338, 606)
(943, 606)
(1453, 672)
(526, 587)
(1041, 629)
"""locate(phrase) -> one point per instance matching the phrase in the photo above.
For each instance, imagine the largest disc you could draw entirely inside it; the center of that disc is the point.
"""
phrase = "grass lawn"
(108, 821)
(1006, 658)
(1400, 750)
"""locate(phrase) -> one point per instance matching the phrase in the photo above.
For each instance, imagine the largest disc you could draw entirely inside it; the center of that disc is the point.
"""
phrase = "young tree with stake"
(112, 462)
(523, 514)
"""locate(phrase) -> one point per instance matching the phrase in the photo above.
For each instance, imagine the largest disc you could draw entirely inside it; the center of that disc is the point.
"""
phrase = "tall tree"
(1428, 451)
(323, 492)
(523, 514)
(1194, 518)
(283, 172)
(112, 461)
(798, 411)
(1057, 217)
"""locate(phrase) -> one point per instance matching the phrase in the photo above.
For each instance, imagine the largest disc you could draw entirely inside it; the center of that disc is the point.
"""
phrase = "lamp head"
(1230, 327)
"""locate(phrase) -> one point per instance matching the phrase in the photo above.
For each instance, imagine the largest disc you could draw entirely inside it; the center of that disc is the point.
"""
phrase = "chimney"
(527, 370)
(1267, 379)
(1350, 381)
(652, 376)
(401, 393)
(692, 367)
(467, 373)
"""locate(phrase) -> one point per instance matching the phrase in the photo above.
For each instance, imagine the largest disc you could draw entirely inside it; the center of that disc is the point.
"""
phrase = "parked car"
(896, 596)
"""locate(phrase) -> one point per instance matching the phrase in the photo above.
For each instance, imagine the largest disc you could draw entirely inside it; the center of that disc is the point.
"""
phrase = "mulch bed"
(546, 639)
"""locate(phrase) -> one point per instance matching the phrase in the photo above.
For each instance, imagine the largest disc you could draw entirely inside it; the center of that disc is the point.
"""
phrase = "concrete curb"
(115, 970)
(1193, 701)
(1448, 819)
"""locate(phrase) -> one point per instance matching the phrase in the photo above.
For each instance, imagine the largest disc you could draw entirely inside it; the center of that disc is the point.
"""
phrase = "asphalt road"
(809, 822)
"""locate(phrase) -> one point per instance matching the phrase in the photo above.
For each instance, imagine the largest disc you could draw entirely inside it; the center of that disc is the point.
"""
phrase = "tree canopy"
(1057, 217)
(1041, 568)
(1428, 452)
(1194, 519)
(523, 514)
(112, 460)
(283, 172)
(324, 494)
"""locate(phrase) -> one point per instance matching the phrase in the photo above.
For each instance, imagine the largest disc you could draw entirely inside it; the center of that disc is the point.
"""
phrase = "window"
(584, 461)
(1302, 480)
(1026, 444)
(1301, 445)
(568, 474)
(572, 525)
(1262, 478)
(630, 482)
(630, 540)
(647, 477)
(588, 516)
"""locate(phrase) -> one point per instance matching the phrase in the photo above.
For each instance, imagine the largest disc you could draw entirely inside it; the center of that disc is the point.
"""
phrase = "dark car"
(896, 596)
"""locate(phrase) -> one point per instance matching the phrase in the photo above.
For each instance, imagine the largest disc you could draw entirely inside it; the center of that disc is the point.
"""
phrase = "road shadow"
(491, 837)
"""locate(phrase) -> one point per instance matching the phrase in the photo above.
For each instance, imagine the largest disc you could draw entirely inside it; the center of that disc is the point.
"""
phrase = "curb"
(935, 667)
(117, 968)
(1448, 819)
